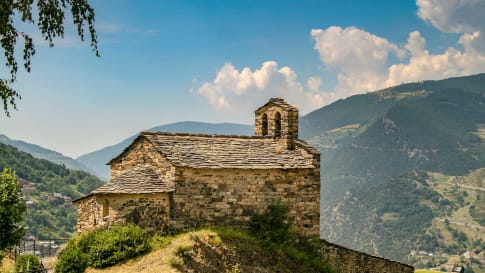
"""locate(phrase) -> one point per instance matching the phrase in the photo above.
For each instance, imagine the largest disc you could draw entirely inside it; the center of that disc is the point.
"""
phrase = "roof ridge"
(144, 133)
(226, 151)
(279, 102)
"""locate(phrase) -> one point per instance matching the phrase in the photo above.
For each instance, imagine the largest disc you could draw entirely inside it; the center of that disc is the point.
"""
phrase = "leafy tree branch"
(50, 22)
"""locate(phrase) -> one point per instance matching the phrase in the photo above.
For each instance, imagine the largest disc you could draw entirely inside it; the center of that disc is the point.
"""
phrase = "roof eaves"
(82, 198)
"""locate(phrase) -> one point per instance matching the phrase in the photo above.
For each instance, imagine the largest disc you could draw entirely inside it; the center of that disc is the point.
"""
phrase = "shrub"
(272, 227)
(117, 244)
(28, 263)
(102, 248)
(72, 260)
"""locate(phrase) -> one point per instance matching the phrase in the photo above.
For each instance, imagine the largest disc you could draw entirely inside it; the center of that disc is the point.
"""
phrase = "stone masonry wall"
(345, 260)
(151, 211)
(143, 152)
(232, 196)
(87, 212)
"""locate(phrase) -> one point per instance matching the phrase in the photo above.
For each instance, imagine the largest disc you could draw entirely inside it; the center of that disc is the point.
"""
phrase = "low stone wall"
(345, 260)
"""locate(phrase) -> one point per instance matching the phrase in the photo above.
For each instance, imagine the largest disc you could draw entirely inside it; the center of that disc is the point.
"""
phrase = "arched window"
(277, 125)
(265, 125)
(105, 208)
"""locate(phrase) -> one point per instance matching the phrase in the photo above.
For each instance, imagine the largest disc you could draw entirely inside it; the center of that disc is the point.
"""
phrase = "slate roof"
(219, 151)
(139, 179)
(278, 102)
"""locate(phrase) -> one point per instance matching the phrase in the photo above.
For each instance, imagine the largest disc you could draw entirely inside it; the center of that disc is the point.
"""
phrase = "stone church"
(170, 182)
(173, 182)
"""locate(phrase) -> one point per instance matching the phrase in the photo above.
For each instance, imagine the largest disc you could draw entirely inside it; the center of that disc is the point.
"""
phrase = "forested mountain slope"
(381, 150)
(43, 153)
(48, 189)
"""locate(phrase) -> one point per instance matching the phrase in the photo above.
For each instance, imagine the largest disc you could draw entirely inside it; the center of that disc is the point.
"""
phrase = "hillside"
(97, 160)
(214, 251)
(43, 153)
(48, 189)
(379, 152)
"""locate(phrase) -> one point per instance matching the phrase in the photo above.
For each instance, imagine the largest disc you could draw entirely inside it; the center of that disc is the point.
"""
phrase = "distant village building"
(166, 182)
(25, 185)
(458, 269)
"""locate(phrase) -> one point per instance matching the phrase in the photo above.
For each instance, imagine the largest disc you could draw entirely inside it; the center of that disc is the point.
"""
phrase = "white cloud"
(359, 57)
(456, 16)
(314, 83)
(362, 61)
(242, 91)
(425, 66)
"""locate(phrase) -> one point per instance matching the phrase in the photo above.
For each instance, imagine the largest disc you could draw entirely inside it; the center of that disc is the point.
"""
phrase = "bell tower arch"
(279, 120)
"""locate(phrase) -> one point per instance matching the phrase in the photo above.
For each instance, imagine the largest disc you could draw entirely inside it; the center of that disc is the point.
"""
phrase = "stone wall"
(345, 260)
(142, 152)
(231, 196)
(87, 212)
(151, 211)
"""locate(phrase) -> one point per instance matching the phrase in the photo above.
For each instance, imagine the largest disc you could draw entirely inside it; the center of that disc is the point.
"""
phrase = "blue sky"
(216, 61)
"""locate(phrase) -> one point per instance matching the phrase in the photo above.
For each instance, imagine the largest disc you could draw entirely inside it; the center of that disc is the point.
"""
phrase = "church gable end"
(142, 152)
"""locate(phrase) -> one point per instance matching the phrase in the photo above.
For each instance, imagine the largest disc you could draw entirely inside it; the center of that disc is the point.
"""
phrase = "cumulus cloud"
(454, 16)
(457, 16)
(362, 61)
(244, 90)
(425, 66)
(314, 83)
(359, 57)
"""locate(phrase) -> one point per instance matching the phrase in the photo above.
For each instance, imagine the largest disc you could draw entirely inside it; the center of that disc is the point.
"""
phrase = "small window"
(277, 126)
(105, 208)
(265, 125)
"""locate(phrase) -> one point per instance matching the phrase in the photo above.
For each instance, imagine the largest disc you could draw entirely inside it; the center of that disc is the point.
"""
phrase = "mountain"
(48, 189)
(97, 160)
(43, 153)
(381, 152)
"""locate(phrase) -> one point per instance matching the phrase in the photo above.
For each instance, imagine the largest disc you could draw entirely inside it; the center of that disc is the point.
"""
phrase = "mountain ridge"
(40, 152)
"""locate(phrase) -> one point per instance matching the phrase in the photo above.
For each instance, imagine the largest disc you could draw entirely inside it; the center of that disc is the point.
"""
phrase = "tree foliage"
(28, 263)
(12, 208)
(49, 18)
(272, 227)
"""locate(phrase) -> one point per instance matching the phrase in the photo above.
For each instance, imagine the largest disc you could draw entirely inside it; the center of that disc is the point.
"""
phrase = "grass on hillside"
(7, 265)
(468, 213)
(216, 250)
